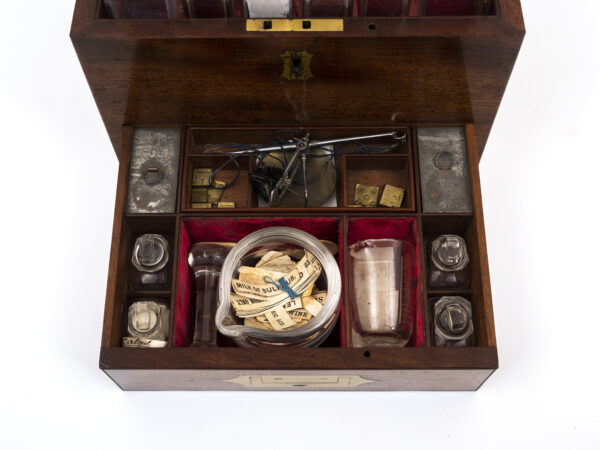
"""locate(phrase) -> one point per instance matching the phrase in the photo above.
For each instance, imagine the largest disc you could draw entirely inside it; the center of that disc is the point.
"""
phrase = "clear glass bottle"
(381, 294)
(453, 322)
(150, 257)
(448, 263)
(147, 324)
(206, 260)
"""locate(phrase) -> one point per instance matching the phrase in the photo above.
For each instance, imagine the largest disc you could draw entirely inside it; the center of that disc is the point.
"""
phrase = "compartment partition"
(232, 229)
(342, 225)
(354, 164)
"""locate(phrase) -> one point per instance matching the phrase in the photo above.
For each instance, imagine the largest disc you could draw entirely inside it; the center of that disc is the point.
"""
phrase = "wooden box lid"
(377, 71)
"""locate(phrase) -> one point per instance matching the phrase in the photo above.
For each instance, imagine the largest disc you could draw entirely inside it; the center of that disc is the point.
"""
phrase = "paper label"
(142, 342)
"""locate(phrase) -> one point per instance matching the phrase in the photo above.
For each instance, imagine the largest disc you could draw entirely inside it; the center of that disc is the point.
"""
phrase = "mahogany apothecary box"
(230, 78)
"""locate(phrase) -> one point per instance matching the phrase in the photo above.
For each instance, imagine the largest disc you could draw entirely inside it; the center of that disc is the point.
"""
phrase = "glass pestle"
(206, 260)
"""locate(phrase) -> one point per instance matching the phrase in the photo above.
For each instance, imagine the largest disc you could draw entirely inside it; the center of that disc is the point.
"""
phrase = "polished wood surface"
(414, 368)
(220, 83)
(192, 358)
(230, 380)
(375, 72)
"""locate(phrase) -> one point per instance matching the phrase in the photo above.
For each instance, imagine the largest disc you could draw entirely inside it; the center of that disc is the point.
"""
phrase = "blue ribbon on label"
(281, 284)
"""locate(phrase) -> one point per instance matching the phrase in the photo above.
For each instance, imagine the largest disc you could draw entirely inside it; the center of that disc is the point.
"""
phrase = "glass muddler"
(206, 260)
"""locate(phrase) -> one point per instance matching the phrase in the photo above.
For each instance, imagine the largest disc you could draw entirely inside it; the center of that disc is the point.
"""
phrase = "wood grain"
(407, 69)
(116, 283)
(221, 380)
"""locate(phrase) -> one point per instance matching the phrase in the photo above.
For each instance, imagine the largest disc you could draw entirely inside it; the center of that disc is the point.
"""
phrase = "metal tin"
(153, 170)
(444, 170)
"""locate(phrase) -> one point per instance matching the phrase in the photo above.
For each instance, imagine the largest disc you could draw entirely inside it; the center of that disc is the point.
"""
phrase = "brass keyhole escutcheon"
(296, 65)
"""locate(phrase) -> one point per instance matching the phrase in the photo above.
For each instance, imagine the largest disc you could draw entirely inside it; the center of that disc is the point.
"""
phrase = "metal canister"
(444, 170)
(153, 170)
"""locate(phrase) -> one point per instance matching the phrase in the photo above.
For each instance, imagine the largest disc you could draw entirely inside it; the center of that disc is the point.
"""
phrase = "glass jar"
(448, 261)
(381, 294)
(147, 324)
(292, 242)
(453, 322)
(150, 257)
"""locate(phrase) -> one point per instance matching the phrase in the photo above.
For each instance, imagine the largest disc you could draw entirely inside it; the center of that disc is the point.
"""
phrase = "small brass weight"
(365, 195)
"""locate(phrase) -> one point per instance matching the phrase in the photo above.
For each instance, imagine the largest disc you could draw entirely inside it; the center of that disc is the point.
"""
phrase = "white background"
(540, 176)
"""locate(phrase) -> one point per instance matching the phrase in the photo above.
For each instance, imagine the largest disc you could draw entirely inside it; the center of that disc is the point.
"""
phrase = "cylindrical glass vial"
(382, 301)
(206, 261)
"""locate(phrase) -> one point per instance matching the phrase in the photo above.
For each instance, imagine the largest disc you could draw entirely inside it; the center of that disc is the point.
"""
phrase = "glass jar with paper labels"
(279, 286)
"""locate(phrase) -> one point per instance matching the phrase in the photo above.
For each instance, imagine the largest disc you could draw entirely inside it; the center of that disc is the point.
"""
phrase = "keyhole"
(297, 65)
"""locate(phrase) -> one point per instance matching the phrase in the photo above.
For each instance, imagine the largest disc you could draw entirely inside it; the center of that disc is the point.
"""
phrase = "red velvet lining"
(233, 229)
(396, 228)
(229, 229)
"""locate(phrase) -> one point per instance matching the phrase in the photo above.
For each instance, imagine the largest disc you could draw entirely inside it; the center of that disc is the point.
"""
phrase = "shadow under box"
(233, 229)
(405, 229)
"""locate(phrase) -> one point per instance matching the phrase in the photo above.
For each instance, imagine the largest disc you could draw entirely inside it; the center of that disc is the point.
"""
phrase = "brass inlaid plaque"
(299, 381)
(226, 205)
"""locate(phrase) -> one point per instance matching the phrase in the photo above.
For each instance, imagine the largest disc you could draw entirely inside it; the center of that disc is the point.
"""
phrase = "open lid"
(370, 72)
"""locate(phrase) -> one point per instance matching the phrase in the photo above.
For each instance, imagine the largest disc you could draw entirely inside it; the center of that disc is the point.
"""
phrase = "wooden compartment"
(228, 81)
(335, 364)
(207, 228)
(378, 171)
(235, 173)
(120, 286)
(208, 147)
